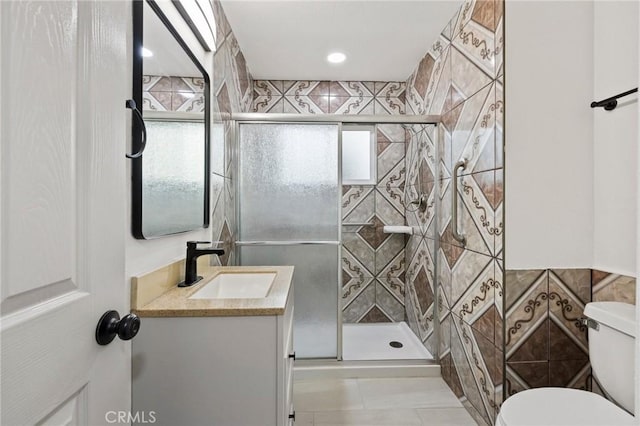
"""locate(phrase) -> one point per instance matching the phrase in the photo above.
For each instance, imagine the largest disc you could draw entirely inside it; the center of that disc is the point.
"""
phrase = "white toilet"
(612, 331)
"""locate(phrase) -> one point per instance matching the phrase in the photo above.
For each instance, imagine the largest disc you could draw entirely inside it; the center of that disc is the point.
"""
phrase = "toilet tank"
(611, 349)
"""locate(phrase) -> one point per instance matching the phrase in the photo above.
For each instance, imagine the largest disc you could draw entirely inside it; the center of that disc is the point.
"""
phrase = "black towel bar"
(611, 103)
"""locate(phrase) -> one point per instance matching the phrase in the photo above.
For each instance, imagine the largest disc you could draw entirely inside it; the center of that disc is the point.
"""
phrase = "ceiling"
(289, 40)
(168, 56)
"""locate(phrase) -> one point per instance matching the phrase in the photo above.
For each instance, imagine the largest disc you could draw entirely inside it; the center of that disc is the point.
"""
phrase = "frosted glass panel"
(315, 327)
(289, 182)
(173, 177)
(357, 157)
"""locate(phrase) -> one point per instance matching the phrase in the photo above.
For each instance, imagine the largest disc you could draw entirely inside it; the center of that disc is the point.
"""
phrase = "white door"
(63, 134)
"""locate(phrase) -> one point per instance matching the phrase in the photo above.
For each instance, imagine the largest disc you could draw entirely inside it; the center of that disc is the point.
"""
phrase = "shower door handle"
(462, 164)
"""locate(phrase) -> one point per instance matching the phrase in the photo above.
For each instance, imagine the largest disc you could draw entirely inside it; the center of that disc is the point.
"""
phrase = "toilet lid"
(562, 407)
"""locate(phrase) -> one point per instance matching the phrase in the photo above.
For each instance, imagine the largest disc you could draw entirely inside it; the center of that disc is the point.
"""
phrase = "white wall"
(147, 255)
(548, 134)
(615, 137)
(637, 375)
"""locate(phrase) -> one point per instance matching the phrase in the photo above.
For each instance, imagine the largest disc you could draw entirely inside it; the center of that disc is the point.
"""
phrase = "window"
(358, 155)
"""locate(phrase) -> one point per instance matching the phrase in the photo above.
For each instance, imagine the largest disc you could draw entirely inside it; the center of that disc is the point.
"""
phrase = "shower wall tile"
(499, 120)
(475, 33)
(457, 79)
(352, 105)
(392, 276)
(428, 88)
(304, 104)
(472, 132)
(391, 167)
(389, 106)
(420, 282)
(355, 277)
(357, 310)
(171, 93)
(360, 245)
(498, 38)
(329, 97)
(217, 221)
(358, 204)
(370, 257)
(232, 90)
(389, 303)
(474, 361)
(476, 213)
(390, 133)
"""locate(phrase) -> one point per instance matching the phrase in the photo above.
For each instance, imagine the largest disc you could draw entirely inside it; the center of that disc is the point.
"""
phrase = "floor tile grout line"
(364, 407)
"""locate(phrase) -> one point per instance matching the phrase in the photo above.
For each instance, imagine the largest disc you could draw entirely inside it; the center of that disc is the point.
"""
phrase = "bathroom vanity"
(219, 352)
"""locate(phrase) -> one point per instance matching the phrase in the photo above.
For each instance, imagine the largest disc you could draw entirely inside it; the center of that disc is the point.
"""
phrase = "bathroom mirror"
(170, 181)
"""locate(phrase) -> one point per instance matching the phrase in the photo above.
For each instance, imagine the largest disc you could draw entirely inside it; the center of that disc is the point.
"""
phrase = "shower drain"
(395, 344)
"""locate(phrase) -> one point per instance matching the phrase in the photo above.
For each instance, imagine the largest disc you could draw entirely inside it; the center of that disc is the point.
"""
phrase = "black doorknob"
(111, 325)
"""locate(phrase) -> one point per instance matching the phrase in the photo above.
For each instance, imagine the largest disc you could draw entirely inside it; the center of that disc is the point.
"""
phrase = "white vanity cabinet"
(215, 370)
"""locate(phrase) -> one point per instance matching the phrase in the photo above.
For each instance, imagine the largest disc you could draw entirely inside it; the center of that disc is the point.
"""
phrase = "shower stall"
(352, 296)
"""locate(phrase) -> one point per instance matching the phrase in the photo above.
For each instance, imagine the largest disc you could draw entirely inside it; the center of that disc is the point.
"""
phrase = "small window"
(358, 155)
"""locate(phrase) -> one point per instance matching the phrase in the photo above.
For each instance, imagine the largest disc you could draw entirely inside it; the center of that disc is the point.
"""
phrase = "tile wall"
(545, 342)
(460, 78)
(421, 164)
(232, 89)
(373, 263)
(329, 97)
(161, 93)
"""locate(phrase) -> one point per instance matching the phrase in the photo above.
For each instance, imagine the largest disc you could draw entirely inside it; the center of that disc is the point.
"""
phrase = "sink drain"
(395, 344)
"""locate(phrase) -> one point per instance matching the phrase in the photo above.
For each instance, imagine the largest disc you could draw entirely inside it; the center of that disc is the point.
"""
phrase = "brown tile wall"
(184, 94)
(545, 342)
(373, 263)
(232, 89)
(329, 97)
(460, 79)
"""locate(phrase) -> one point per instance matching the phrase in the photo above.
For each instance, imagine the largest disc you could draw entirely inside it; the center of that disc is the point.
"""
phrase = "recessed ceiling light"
(146, 53)
(336, 57)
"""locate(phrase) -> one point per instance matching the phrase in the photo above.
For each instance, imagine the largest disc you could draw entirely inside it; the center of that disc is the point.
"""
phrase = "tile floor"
(378, 402)
(371, 342)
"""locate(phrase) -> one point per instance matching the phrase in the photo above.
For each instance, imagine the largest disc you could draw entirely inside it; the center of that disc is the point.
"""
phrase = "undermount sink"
(250, 285)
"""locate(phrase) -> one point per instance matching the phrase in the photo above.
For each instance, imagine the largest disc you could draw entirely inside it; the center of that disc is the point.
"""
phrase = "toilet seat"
(561, 407)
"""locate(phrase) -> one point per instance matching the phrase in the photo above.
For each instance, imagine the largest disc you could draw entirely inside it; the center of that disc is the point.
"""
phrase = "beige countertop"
(154, 295)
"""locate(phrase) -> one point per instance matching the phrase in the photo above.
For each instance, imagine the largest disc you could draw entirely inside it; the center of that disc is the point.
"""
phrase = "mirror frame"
(136, 130)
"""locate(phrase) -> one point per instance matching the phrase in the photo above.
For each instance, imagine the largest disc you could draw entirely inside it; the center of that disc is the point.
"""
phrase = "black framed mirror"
(170, 181)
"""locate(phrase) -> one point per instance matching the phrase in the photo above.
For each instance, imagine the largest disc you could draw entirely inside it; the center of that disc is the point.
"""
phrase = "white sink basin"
(253, 285)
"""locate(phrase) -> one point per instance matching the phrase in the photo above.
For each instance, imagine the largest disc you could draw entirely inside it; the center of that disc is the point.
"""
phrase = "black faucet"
(191, 263)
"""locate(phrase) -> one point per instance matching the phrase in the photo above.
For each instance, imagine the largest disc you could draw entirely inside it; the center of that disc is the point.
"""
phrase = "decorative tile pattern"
(612, 287)
(369, 255)
(457, 79)
(545, 342)
(373, 263)
(160, 93)
(329, 97)
(232, 91)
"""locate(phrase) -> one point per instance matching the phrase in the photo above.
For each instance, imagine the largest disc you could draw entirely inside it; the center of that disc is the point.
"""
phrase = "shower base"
(309, 369)
(381, 341)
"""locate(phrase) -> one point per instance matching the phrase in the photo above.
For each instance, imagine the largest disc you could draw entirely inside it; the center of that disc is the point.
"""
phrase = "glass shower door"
(289, 196)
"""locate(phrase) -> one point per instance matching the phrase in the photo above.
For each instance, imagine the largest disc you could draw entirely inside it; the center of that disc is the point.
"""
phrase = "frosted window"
(358, 156)
(173, 177)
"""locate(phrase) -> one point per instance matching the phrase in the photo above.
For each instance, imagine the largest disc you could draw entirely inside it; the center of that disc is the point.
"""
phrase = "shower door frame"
(283, 118)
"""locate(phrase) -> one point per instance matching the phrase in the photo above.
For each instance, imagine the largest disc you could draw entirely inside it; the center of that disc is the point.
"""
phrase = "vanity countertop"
(175, 302)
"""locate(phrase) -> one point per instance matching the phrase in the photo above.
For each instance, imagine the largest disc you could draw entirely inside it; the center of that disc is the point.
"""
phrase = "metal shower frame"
(265, 118)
